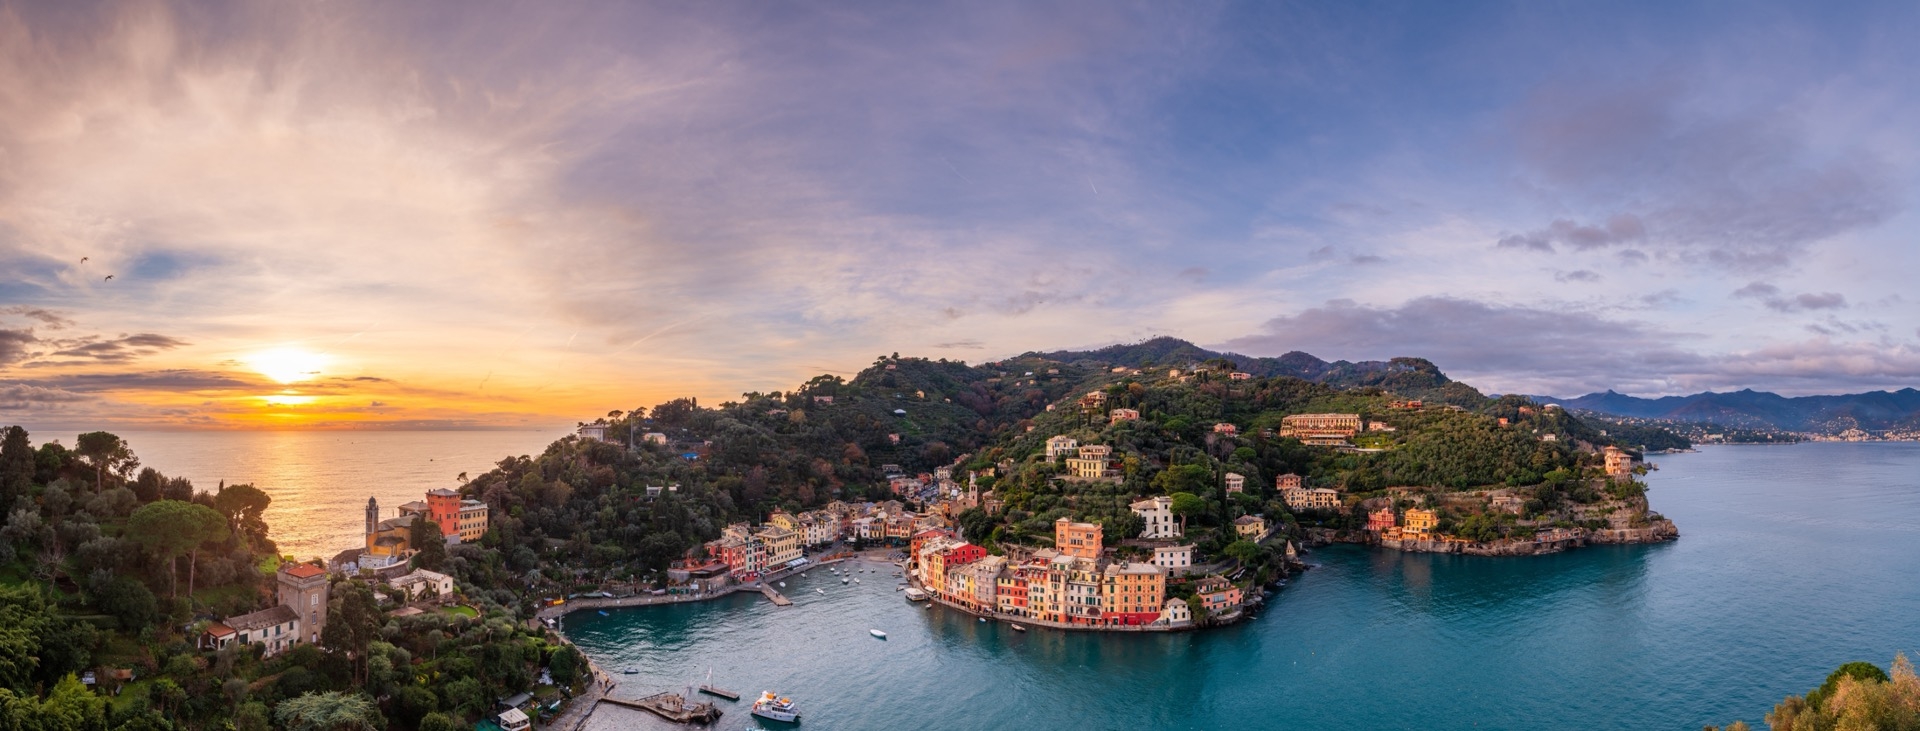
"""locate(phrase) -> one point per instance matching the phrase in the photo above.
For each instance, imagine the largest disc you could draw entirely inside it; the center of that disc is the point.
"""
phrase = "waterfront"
(320, 480)
(1792, 560)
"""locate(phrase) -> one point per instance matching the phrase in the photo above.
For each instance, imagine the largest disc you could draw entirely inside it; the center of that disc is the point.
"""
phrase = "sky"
(487, 214)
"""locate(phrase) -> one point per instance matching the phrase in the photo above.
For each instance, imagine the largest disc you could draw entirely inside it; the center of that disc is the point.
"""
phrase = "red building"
(1380, 520)
(443, 508)
(963, 554)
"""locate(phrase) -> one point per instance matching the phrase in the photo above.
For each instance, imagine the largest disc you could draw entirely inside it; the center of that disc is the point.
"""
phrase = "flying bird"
(84, 259)
(109, 276)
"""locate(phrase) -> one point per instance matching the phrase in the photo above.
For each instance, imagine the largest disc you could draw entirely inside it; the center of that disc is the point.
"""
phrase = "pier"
(671, 706)
(779, 600)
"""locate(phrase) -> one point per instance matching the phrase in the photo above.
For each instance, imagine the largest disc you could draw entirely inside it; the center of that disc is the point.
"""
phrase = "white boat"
(856, 581)
(1018, 628)
(877, 633)
(776, 708)
(843, 580)
(823, 591)
(916, 594)
(783, 585)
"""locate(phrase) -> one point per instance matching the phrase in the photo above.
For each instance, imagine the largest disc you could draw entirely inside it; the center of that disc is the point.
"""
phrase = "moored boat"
(775, 708)
(1017, 627)
(877, 633)
(916, 594)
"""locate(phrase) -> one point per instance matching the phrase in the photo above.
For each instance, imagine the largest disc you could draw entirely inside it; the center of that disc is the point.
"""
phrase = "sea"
(1792, 560)
(320, 480)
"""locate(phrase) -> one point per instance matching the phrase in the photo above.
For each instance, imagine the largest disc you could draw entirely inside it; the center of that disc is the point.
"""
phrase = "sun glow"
(287, 364)
(287, 400)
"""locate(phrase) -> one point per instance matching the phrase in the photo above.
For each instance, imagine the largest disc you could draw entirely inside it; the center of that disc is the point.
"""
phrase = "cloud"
(124, 349)
(961, 345)
(1622, 228)
(1521, 349)
(1772, 297)
(1578, 275)
(169, 380)
(23, 396)
(14, 346)
(47, 318)
(1742, 187)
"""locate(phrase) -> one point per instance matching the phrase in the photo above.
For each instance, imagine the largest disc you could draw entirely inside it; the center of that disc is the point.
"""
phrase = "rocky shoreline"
(1658, 531)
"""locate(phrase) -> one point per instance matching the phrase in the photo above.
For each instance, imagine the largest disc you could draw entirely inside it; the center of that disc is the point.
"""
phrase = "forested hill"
(1750, 409)
(1414, 378)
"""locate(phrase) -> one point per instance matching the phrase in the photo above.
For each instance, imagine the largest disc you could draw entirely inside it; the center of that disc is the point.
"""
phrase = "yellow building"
(782, 546)
(1420, 522)
(1320, 425)
(1250, 527)
(1079, 540)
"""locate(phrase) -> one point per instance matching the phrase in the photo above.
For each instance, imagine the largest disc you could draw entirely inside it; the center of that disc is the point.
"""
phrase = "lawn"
(461, 610)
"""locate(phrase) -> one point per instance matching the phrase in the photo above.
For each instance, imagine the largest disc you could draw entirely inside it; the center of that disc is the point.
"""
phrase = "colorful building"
(1420, 522)
(1250, 527)
(1132, 593)
(1236, 482)
(1079, 540)
(1381, 520)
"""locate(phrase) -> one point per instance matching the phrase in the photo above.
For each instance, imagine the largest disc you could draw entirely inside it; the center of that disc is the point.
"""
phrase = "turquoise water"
(1792, 560)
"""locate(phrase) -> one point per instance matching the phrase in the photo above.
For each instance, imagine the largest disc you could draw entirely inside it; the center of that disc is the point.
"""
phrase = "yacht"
(775, 708)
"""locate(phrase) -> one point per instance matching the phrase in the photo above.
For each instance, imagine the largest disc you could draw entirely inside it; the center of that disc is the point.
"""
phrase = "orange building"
(1079, 540)
(1619, 464)
(1132, 593)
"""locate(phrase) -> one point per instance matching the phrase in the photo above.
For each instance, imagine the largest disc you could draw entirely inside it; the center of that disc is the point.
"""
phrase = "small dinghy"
(877, 633)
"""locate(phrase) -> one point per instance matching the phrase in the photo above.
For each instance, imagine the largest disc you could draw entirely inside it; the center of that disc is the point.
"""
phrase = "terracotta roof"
(219, 630)
(305, 571)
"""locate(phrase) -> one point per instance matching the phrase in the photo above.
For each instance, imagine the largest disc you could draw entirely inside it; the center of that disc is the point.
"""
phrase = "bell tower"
(373, 514)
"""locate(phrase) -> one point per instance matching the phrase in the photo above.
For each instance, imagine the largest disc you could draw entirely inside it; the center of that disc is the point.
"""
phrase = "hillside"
(1414, 378)
(1749, 409)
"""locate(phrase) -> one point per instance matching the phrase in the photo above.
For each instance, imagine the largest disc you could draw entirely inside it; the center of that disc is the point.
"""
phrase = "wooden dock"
(722, 692)
(671, 706)
(779, 600)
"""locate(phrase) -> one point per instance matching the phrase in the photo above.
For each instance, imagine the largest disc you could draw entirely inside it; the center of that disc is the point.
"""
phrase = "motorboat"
(844, 580)
(1017, 627)
(783, 585)
(877, 633)
(822, 591)
(775, 708)
(983, 619)
(603, 613)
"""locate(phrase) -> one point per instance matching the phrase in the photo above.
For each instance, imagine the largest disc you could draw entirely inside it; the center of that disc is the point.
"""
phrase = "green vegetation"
(91, 557)
(1858, 695)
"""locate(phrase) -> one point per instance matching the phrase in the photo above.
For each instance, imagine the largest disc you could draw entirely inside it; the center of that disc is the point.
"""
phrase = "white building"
(1236, 482)
(1157, 512)
(1175, 614)
(1176, 560)
(1061, 446)
(424, 583)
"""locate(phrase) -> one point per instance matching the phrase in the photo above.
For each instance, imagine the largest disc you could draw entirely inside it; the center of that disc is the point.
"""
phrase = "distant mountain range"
(1750, 409)
(1419, 378)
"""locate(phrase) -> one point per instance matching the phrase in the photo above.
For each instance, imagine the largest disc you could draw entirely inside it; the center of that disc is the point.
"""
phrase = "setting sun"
(287, 365)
